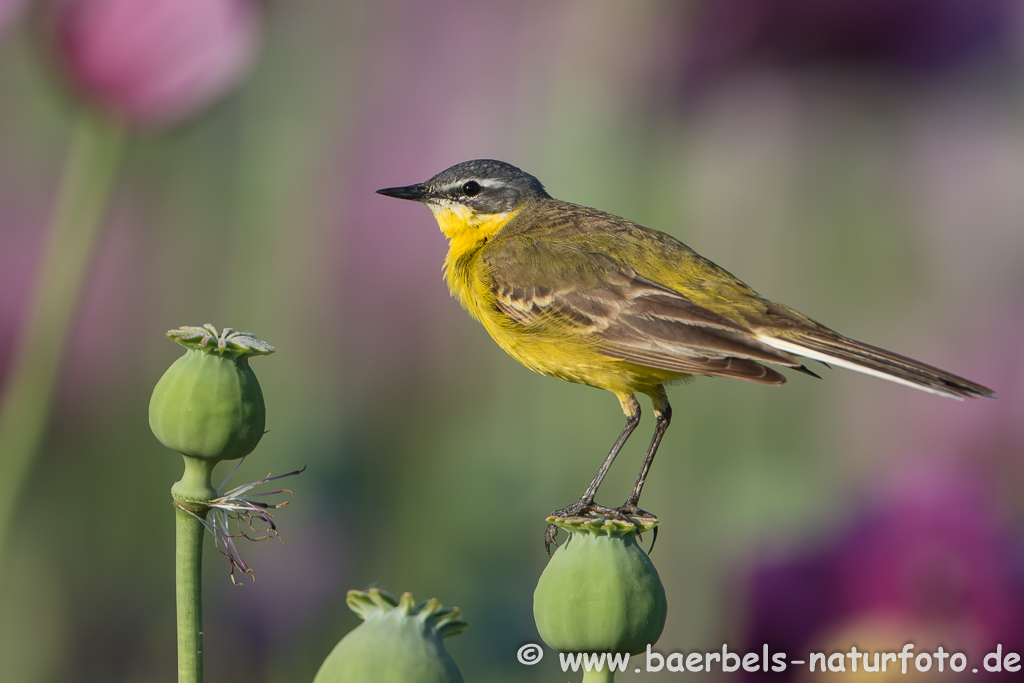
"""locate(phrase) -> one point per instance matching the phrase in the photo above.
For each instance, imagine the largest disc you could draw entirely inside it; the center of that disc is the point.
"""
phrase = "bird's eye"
(471, 189)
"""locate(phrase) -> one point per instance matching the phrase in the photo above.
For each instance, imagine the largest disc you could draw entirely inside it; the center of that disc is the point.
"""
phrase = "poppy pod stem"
(82, 198)
(188, 571)
(601, 675)
(189, 529)
(189, 514)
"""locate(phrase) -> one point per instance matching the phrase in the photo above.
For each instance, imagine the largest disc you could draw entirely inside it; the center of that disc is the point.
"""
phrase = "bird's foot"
(588, 508)
(583, 507)
(631, 509)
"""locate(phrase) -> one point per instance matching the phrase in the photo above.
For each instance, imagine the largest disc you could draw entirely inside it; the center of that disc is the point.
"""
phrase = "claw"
(549, 538)
(654, 539)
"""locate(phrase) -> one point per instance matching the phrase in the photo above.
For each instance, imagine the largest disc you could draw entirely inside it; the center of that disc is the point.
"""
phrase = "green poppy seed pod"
(209, 404)
(600, 591)
(398, 642)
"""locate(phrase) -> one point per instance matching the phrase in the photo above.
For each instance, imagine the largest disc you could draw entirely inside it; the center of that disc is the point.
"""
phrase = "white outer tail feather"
(798, 350)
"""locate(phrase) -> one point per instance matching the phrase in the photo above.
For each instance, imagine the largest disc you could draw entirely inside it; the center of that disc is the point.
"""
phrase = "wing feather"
(639, 295)
(623, 314)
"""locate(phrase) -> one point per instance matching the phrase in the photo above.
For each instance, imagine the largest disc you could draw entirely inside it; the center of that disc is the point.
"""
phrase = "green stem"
(602, 675)
(196, 482)
(188, 569)
(190, 494)
(84, 193)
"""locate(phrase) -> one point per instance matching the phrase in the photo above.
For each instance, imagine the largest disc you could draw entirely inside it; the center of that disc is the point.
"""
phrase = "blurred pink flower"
(933, 561)
(8, 10)
(154, 62)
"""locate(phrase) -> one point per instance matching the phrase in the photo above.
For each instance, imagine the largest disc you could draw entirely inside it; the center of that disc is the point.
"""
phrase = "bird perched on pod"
(589, 297)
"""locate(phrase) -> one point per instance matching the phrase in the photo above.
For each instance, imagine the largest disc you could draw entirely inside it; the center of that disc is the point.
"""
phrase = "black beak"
(416, 193)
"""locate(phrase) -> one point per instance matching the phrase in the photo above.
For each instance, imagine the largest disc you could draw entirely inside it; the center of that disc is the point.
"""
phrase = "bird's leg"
(662, 416)
(585, 504)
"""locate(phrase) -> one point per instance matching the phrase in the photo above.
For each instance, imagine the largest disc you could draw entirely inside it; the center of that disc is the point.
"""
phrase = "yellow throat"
(467, 232)
(466, 229)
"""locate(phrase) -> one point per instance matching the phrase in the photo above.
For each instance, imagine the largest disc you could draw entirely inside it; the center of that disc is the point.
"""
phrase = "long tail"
(831, 347)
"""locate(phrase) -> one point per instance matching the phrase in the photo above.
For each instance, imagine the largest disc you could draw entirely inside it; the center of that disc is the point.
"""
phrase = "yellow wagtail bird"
(593, 298)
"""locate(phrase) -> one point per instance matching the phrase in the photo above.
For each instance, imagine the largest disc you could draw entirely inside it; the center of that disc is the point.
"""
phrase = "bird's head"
(475, 196)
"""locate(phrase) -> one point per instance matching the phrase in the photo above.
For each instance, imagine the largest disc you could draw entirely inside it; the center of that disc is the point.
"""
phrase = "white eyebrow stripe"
(457, 185)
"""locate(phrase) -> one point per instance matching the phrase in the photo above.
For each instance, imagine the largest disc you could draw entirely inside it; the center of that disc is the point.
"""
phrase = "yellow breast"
(542, 348)
(467, 233)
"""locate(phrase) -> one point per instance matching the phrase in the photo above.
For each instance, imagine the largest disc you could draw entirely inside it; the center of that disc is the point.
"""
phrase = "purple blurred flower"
(155, 62)
(888, 35)
(931, 564)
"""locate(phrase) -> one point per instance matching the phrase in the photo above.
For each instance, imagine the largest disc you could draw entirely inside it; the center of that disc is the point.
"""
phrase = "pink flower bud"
(155, 62)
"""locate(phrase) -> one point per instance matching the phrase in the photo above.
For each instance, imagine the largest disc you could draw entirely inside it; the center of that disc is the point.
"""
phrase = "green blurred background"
(866, 169)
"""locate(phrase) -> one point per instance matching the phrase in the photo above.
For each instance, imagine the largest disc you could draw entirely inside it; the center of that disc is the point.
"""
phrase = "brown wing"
(557, 268)
(573, 292)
